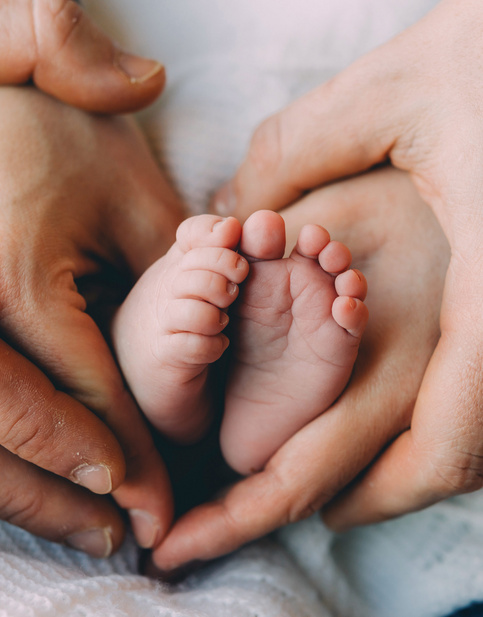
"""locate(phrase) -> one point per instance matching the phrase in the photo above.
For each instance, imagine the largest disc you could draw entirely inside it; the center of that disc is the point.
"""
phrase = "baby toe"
(208, 230)
(199, 348)
(311, 241)
(351, 314)
(335, 257)
(351, 283)
(224, 262)
(189, 315)
(205, 285)
(263, 236)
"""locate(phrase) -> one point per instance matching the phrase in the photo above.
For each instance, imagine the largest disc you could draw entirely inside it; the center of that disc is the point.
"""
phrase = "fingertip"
(224, 200)
(80, 65)
(138, 69)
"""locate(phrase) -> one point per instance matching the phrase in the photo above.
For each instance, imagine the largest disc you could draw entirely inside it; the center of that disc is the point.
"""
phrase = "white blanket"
(230, 63)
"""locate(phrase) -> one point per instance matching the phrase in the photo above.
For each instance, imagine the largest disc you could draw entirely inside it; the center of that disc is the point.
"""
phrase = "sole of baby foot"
(297, 326)
(170, 328)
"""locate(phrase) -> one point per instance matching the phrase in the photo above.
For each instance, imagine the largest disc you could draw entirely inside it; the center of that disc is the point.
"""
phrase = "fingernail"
(225, 200)
(138, 69)
(223, 318)
(231, 288)
(97, 478)
(146, 528)
(94, 542)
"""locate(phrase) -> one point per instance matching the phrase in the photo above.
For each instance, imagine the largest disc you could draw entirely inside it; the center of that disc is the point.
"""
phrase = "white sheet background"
(230, 63)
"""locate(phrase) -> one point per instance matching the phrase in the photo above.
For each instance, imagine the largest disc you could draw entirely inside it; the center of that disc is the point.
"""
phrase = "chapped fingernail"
(225, 200)
(95, 542)
(146, 528)
(96, 478)
(137, 69)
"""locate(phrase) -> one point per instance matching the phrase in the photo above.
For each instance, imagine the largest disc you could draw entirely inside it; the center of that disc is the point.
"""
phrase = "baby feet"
(169, 329)
(297, 327)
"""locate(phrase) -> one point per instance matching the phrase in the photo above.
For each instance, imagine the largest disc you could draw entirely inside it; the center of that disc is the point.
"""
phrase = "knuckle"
(21, 509)
(265, 152)
(307, 502)
(66, 17)
(463, 473)
(26, 439)
(305, 508)
(26, 431)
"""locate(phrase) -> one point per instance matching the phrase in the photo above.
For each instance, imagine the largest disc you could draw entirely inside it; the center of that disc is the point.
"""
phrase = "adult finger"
(73, 351)
(52, 508)
(330, 452)
(321, 459)
(297, 482)
(57, 45)
(442, 453)
(51, 430)
(362, 116)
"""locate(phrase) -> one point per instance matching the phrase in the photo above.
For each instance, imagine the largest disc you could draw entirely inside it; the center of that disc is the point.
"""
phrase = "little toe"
(335, 257)
(205, 285)
(263, 236)
(208, 230)
(351, 314)
(351, 283)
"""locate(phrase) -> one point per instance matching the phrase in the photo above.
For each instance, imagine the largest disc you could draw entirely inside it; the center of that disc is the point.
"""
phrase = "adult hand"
(81, 199)
(396, 241)
(54, 43)
(417, 101)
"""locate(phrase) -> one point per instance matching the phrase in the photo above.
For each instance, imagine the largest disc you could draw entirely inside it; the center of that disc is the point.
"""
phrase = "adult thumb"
(55, 44)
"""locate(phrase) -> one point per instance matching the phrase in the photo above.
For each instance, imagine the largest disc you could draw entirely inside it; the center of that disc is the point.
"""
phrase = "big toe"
(263, 236)
(207, 230)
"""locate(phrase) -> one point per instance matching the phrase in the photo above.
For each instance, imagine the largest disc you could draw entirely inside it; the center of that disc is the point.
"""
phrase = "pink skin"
(299, 322)
(169, 329)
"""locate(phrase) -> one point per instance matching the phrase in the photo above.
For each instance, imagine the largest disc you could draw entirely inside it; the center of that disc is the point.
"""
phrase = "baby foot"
(169, 329)
(297, 327)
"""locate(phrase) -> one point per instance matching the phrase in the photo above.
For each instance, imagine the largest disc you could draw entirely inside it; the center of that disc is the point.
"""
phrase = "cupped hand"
(82, 201)
(396, 241)
(55, 44)
(417, 102)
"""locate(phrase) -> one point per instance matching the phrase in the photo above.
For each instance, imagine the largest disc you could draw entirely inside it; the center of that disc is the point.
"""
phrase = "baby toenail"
(241, 263)
(352, 303)
(223, 319)
(218, 223)
(231, 288)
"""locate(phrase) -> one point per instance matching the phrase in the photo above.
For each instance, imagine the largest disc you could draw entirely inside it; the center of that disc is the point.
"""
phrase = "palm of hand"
(397, 243)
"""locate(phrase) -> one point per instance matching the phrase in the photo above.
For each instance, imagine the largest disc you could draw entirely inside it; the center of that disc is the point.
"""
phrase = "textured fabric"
(230, 63)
